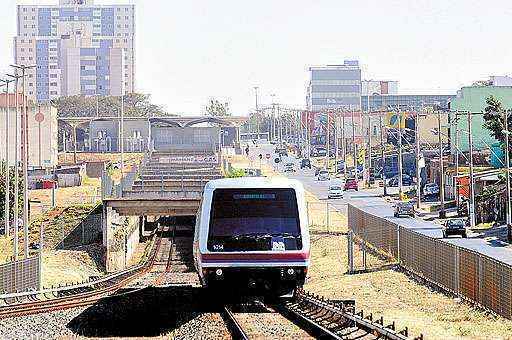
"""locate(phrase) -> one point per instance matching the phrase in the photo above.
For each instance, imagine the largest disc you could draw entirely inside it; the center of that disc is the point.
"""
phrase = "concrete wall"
(42, 136)
(120, 238)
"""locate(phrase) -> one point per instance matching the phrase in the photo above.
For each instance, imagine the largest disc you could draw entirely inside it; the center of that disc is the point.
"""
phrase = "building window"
(23, 50)
(53, 84)
(32, 84)
(82, 68)
(25, 18)
(54, 93)
(53, 75)
(24, 9)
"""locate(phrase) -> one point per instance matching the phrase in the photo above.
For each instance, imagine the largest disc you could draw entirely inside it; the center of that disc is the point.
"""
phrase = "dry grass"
(70, 266)
(395, 296)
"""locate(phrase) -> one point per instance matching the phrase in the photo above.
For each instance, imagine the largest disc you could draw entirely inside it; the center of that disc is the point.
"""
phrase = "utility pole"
(336, 141)
(343, 145)
(26, 220)
(121, 134)
(369, 145)
(400, 175)
(354, 147)
(16, 164)
(418, 171)
(327, 142)
(382, 156)
(507, 168)
(7, 212)
(442, 212)
(457, 202)
(471, 209)
(257, 113)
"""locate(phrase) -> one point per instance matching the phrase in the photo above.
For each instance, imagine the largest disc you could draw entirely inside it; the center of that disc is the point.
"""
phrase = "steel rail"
(234, 327)
(80, 298)
(313, 310)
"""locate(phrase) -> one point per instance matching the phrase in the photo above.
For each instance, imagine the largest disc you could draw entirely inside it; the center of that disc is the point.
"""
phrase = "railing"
(468, 274)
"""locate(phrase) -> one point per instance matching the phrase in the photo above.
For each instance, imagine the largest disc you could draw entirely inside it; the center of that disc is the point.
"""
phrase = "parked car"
(406, 181)
(289, 167)
(351, 184)
(430, 189)
(404, 209)
(455, 226)
(323, 175)
(335, 191)
(305, 163)
(320, 152)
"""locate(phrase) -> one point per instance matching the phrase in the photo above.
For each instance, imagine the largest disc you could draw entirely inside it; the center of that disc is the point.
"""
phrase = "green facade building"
(472, 98)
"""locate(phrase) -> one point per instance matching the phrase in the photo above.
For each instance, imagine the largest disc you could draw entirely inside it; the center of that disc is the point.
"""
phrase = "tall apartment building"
(335, 86)
(78, 48)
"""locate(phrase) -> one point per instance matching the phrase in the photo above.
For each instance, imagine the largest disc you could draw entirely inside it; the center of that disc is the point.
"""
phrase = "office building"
(334, 87)
(405, 102)
(78, 47)
(379, 87)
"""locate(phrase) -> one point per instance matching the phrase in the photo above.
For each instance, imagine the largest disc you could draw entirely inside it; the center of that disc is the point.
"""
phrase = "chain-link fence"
(19, 276)
(324, 217)
(461, 271)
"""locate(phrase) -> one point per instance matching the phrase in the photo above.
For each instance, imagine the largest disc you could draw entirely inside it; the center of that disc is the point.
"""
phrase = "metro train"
(252, 236)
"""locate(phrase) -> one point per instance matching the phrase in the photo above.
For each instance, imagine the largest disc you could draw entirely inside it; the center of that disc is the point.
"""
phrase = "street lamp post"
(257, 113)
(16, 165)
(418, 171)
(471, 177)
(26, 221)
(507, 168)
(383, 159)
(400, 175)
(354, 146)
(442, 212)
(7, 212)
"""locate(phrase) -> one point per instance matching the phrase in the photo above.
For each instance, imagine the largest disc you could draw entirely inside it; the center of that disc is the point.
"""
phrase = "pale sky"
(189, 51)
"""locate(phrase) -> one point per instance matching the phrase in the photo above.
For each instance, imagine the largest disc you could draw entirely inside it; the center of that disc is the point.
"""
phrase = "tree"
(135, 105)
(216, 109)
(494, 121)
(3, 172)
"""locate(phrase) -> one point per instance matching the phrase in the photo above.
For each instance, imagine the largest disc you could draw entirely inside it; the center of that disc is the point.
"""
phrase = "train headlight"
(290, 271)
(218, 272)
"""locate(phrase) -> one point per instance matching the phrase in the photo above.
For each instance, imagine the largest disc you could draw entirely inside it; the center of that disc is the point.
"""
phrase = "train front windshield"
(254, 219)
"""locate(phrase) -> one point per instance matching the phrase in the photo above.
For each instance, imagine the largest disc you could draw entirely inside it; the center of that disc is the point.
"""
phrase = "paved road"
(370, 201)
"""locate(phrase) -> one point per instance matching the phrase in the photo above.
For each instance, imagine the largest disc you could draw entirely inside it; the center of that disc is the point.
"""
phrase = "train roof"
(253, 182)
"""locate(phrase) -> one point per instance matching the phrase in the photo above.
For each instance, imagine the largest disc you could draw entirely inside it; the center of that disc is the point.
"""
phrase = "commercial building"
(334, 87)
(379, 87)
(404, 102)
(79, 48)
(42, 132)
(473, 99)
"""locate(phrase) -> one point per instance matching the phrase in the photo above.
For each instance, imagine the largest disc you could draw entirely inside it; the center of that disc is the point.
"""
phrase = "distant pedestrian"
(247, 150)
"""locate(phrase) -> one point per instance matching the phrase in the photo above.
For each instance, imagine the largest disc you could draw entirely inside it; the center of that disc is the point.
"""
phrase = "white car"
(289, 167)
(323, 175)
(335, 191)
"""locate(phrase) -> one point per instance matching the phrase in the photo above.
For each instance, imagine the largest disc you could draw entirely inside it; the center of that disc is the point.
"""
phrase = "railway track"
(315, 316)
(84, 294)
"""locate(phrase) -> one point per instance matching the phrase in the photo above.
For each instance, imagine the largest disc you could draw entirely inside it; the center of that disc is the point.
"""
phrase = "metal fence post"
(350, 251)
(327, 215)
(457, 271)
(307, 211)
(83, 232)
